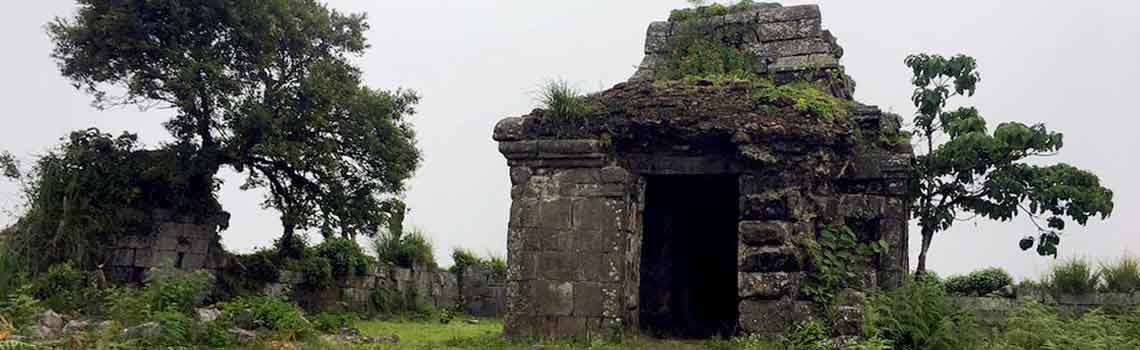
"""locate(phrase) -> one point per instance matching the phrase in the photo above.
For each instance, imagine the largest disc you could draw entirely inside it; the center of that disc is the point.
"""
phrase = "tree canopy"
(981, 171)
(265, 87)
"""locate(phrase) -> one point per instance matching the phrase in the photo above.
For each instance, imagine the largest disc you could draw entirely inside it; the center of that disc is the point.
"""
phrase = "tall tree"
(266, 87)
(984, 173)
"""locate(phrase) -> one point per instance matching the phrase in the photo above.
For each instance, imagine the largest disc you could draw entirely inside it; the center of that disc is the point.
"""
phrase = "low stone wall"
(479, 292)
(995, 311)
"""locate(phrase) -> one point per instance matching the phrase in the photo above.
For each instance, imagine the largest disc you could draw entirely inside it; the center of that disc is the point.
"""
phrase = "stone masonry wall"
(574, 235)
(177, 241)
(485, 295)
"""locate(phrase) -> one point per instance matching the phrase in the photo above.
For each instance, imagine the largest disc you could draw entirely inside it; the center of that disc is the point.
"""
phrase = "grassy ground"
(487, 335)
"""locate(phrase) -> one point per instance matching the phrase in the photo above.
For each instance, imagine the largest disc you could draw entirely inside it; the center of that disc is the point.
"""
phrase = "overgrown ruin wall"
(576, 229)
(178, 241)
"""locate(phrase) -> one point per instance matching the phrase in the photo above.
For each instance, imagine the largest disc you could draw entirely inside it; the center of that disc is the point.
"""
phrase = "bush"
(12, 274)
(918, 316)
(1121, 277)
(128, 306)
(294, 249)
(174, 290)
(709, 60)
(316, 271)
(1035, 326)
(61, 289)
(267, 313)
(344, 256)
(1074, 276)
(19, 307)
(405, 250)
(978, 283)
(464, 259)
(261, 265)
(176, 329)
(329, 322)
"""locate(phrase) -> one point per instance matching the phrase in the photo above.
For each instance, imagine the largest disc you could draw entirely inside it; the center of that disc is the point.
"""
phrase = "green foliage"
(809, 335)
(266, 87)
(405, 250)
(128, 306)
(93, 188)
(1074, 276)
(566, 109)
(465, 259)
(978, 283)
(62, 288)
(701, 10)
(976, 171)
(806, 97)
(406, 302)
(12, 274)
(837, 259)
(329, 322)
(177, 329)
(1122, 276)
(708, 60)
(294, 248)
(267, 313)
(316, 272)
(10, 344)
(174, 290)
(1035, 326)
(245, 274)
(918, 316)
(344, 256)
(20, 307)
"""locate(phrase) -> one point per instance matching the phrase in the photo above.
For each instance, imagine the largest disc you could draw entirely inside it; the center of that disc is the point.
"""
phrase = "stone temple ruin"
(675, 207)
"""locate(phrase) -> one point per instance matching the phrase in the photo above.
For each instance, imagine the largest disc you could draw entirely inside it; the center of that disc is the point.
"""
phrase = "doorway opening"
(689, 256)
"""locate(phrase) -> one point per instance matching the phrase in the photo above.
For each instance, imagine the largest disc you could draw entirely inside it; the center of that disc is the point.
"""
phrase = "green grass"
(487, 335)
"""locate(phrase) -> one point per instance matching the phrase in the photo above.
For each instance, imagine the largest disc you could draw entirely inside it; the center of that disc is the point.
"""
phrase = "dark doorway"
(688, 256)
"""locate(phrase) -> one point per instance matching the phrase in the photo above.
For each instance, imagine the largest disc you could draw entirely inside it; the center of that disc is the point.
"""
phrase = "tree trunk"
(287, 237)
(927, 236)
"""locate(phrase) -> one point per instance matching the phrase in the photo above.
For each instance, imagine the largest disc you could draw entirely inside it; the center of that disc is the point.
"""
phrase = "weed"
(267, 313)
(565, 106)
(701, 10)
(809, 335)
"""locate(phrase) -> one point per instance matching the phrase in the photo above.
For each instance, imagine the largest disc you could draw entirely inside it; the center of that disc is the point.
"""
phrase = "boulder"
(207, 315)
(41, 332)
(50, 319)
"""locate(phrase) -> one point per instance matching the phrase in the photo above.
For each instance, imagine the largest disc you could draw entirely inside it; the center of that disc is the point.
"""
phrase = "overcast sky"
(1073, 65)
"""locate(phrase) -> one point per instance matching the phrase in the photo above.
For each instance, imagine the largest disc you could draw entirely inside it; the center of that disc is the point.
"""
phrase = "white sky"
(1070, 64)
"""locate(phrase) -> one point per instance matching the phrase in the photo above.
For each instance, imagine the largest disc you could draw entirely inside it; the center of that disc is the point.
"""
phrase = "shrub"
(176, 329)
(61, 289)
(126, 305)
(19, 307)
(294, 249)
(464, 259)
(1075, 276)
(918, 316)
(708, 60)
(344, 256)
(316, 271)
(978, 283)
(175, 290)
(405, 250)
(1123, 276)
(497, 264)
(267, 313)
(261, 265)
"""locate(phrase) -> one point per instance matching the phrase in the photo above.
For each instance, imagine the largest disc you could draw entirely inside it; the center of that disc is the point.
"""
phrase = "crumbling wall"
(179, 241)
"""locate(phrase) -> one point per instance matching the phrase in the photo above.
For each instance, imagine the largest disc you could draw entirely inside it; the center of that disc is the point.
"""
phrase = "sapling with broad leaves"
(965, 168)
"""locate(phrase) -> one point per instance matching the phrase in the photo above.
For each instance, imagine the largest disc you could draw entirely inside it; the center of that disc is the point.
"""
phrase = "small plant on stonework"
(413, 248)
(708, 60)
(809, 335)
(837, 259)
(344, 255)
(702, 9)
(565, 106)
(805, 97)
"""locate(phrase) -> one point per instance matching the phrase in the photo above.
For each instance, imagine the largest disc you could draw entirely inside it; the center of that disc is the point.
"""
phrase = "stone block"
(555, 240)
(555, 213)
(524, 213)
(571, 327)
(589, 241)
(615, 174)
(775, 205)
(193, 261)
(520, 175)
(568, 148)
(598, 214)
(794, 47)
(509, 129)
(523, 266)
(554, 298)
(123, 257)
(770, 259)
(847, 320)
(761, 233)
(789, 13)
(769, 285)
(145, 258)
(558, 266)
(804, 62)
(657, 37)
(804, 28)
(518, 149)
(774, 316)
(591, 267)
(592, 190)
(587, 299)
(577, 176)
